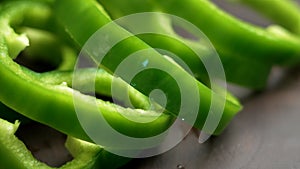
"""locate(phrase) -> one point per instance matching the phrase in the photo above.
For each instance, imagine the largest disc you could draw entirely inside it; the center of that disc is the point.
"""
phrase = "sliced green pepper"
(54, 52)
(54, 105)
(11, 116)
(15, 155)
(90, 13)
(238, 70)
(230, 63)
(286, 13)
(238, 57)
(218, 26)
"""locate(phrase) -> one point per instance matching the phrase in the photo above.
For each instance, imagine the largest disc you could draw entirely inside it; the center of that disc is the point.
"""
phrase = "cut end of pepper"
(16, 43)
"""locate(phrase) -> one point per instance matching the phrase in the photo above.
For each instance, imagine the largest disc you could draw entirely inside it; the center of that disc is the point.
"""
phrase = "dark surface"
(265, 135)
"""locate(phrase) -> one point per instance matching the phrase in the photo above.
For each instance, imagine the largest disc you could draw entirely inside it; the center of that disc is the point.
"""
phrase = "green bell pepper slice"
(11, 116)
(55, 53)
(286, 13)
(15, 155)
(238, 69)
(54, 104)
(92, 14)
(227, 33)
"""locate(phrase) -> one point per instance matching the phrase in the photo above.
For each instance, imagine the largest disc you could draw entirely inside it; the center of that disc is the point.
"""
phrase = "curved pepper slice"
(43, 44)
(286, 13)
(11, 116)
(14, 154)
(255, 79)
(69, 12)
(54, 104)
(47, 48)
(227, 33)
(51, 102)
(245, 76)
(103, 85)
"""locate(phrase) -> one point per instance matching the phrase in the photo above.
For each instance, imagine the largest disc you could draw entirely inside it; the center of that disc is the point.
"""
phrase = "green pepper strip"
(238, 70)
(245, 75)
(54, 104)
(43, 44)
(228, 34)
(14, 154)
(103, 85)
(286, 13)
(11, 116)
(48, 45)
(90, 13)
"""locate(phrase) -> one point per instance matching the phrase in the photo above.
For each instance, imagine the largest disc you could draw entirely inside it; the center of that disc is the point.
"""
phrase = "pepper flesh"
(91, 13)
(245, 76)
(52, 97)
(11, 116)
(14, 154)
(54, 103)
(286, 13)
(53, 50)
(217, 25)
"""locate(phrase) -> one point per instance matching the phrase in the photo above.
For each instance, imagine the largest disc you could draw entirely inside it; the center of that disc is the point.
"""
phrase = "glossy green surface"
(15, 155)
(241, 46)
(92, 14)
(283, 12)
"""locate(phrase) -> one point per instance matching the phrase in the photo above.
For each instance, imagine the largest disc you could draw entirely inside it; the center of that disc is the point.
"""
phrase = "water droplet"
(145, 63)
(179, 166)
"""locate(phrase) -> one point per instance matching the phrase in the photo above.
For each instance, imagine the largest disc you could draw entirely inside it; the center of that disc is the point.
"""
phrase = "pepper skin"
(268, 47)
(91, 13)
(15, 155)
(54, 104)
(285, 13)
